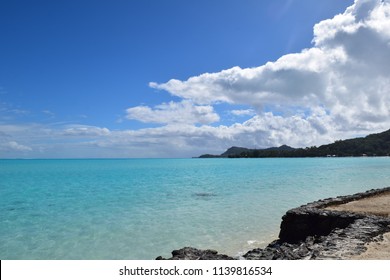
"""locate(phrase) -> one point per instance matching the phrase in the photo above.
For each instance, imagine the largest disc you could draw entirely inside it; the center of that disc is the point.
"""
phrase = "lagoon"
(142, 208)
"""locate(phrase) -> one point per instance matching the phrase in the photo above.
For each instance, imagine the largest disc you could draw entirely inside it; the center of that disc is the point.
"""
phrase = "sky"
(175, 78)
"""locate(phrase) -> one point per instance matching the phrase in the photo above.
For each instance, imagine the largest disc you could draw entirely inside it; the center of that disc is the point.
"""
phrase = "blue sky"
(177, 78)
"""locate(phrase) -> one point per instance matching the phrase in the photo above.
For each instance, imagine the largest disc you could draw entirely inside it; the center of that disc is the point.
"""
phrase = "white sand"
(376, 250)
(376, 205)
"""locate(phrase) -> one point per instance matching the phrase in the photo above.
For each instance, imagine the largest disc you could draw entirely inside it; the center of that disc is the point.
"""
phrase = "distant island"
(372, 145)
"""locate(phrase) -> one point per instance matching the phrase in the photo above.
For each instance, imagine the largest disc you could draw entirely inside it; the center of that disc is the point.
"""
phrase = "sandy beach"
(379, 250)
(376, 205)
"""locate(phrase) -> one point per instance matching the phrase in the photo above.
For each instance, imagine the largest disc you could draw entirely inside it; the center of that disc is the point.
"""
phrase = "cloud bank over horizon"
(338, 88)
(345, 76)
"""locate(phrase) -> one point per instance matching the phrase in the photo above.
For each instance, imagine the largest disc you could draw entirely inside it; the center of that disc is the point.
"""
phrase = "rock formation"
(313, 231)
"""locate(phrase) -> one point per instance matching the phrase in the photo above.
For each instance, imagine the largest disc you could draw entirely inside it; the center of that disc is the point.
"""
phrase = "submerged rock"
(204, 194)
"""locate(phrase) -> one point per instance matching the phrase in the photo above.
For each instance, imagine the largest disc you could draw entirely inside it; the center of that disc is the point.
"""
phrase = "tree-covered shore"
(372, 145)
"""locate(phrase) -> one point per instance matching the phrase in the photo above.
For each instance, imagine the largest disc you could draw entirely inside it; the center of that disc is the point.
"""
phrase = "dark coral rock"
(189, 253)
(312, 232)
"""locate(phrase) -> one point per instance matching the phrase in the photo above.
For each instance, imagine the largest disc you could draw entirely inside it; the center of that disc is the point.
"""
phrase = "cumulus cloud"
(346, 73)
(262, 130)
(172, 112)
(294, 77)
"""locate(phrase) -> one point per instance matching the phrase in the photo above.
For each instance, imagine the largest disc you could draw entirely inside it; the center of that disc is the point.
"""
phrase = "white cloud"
(347, 72)
(294, 77)
(86, 131)
(18, 147)
(14, 146)
(49, 140)
(49, 113)
(172, 112)
(245, 112)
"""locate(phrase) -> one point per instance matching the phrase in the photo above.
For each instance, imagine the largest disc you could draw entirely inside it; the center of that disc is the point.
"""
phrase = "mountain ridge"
(377, 144)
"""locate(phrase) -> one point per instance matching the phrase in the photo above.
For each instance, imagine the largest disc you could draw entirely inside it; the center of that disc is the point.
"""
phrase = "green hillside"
(371, 145)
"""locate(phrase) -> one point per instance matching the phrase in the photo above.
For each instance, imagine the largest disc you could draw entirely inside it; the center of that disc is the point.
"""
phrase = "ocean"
(135, 209)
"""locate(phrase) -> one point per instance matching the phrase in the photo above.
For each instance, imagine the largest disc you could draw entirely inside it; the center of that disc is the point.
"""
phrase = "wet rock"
(312, 232)
(189, 253)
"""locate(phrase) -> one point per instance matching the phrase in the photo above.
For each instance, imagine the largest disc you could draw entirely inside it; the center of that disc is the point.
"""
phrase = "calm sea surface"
(143, 208)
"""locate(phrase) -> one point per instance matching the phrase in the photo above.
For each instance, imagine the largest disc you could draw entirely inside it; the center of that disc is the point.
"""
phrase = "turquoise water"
(143, 208)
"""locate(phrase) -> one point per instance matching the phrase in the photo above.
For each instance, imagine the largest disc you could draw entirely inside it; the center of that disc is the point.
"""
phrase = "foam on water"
(142, 208)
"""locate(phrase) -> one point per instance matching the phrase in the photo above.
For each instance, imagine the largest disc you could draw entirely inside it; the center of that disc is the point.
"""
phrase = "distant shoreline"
(371, 145)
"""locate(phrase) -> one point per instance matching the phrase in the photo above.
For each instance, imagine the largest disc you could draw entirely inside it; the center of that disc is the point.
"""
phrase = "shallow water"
(143, 208)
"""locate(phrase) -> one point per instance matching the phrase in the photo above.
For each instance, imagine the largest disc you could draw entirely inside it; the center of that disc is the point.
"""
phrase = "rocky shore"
(333, 228)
